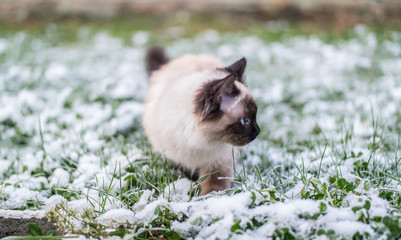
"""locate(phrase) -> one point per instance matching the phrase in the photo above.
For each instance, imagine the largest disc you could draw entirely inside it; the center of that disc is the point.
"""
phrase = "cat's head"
(226, 110)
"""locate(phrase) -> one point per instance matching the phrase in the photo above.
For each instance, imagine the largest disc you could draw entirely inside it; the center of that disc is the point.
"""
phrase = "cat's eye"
(245, 121)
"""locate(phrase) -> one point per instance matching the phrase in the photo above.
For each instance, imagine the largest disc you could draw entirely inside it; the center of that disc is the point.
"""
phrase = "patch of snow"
(53, 201)
(79, 205)
(17, 214)
(60, 177)
(116, 216)
(349, 228)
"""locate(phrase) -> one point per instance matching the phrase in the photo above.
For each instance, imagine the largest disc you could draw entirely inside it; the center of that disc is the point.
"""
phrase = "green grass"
(296, 157)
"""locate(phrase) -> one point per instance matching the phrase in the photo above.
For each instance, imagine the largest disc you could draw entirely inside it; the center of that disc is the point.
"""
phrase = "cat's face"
(226, 109)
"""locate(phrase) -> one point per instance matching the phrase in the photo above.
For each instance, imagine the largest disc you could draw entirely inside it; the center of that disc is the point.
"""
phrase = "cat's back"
(173, 87)
(183, 67)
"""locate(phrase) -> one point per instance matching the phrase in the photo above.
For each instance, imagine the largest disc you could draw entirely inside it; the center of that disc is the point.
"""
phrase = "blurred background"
(341, 13)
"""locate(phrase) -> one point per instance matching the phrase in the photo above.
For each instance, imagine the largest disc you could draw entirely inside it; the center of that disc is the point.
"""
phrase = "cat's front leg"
(218, 180)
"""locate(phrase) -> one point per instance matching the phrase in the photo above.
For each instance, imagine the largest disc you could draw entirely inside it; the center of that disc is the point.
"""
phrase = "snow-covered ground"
(325, 164)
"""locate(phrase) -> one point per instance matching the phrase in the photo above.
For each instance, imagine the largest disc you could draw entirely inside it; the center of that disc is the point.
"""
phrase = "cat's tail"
(155, 58)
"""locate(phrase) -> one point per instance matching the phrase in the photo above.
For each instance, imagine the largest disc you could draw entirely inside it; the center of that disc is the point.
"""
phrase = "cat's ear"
(228, 88)
(228, 92)
(237, 68)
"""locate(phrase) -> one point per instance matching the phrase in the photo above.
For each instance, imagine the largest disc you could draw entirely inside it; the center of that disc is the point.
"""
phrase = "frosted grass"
(325, 164)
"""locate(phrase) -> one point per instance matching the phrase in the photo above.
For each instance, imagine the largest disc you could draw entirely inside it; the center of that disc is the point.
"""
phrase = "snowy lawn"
(327, 164)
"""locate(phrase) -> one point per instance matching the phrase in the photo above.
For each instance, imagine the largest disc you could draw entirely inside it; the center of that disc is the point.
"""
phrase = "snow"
(72, 104)
(140, 38)
(179, 189)
(349, 228)
(53, 201)
(79, 205)
(119, 216)
(14, 214)
(60, 177)
(378, 206)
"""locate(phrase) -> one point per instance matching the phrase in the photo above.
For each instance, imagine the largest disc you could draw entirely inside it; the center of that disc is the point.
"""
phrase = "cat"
(197, 113)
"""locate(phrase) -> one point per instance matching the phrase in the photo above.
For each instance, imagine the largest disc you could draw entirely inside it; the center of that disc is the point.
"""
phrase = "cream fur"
(169, 120)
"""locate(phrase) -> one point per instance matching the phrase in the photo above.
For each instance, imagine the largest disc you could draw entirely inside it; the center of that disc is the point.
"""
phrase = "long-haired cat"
(197, 112)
